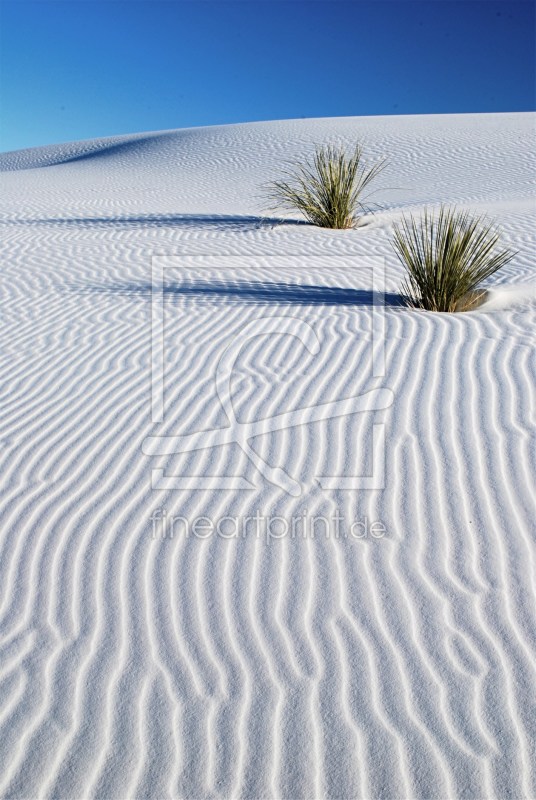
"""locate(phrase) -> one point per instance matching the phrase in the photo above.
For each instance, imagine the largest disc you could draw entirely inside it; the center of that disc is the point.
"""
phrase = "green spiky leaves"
(446, 257)
(328, 190)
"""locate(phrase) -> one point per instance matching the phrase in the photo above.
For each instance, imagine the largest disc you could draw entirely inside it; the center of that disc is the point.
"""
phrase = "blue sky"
(74, 69)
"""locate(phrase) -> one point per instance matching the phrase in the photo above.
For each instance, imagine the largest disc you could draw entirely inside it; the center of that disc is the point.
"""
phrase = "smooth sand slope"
(400, 665)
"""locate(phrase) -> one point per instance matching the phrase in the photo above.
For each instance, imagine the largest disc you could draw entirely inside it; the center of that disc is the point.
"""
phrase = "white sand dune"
(399, 665)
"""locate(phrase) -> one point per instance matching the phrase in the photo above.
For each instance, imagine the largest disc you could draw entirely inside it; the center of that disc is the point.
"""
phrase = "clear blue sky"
(73, 69)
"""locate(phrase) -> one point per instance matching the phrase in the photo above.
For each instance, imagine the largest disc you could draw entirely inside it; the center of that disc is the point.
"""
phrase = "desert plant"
(328, 190)
(446, 258)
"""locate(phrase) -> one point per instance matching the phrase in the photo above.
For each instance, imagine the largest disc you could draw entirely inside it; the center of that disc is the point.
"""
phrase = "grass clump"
(327, 190)
(446, 257)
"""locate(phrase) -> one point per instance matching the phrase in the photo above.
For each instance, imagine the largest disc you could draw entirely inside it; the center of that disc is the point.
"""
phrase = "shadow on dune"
(55, 155)
(262, 292)
(213, 221)
(116, 148)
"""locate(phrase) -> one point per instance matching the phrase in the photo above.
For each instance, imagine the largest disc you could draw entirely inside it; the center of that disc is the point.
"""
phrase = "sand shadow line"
(215, 221)
(262, 292)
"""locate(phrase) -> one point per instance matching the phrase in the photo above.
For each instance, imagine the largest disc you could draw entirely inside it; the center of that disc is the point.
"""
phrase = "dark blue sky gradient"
(75, 69)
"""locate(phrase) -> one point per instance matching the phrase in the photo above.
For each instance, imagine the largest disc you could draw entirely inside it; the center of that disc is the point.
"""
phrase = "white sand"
(398, 666)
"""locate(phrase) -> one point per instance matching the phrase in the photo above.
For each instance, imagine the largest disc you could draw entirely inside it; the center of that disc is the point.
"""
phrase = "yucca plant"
(328, 190)
(446, 258)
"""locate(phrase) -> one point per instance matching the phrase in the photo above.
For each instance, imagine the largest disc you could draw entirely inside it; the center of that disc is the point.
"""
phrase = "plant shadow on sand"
(203, 221)
(262, 292)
